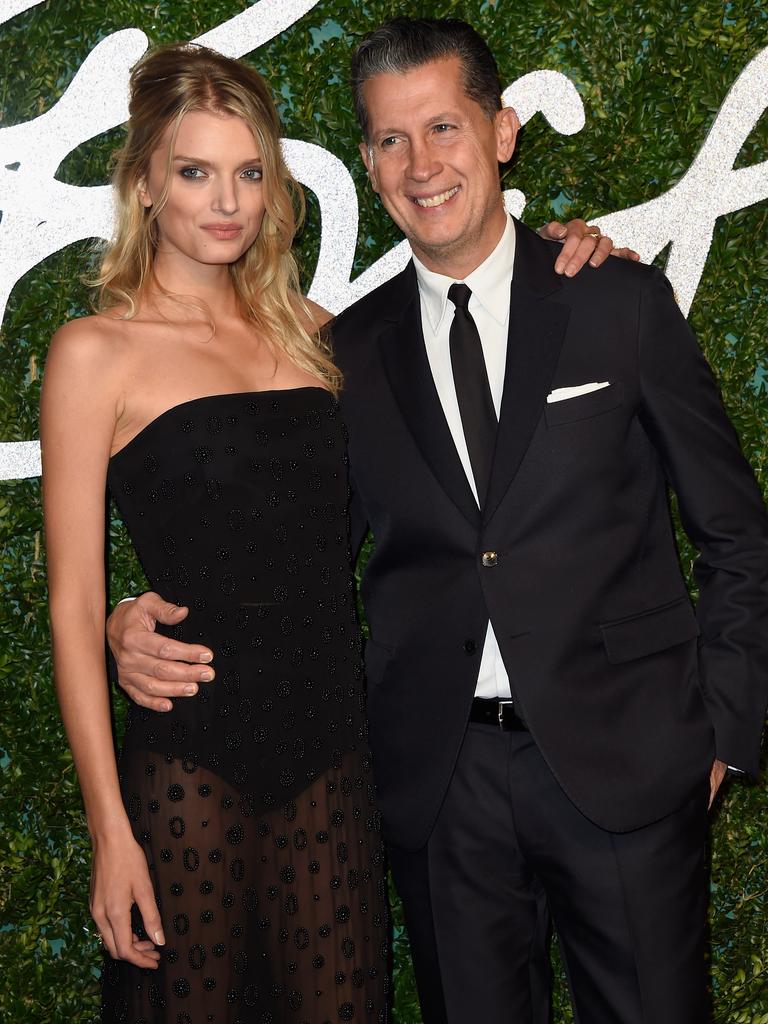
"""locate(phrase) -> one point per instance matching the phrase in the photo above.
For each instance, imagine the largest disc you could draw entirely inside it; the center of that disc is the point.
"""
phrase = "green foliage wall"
(652, 75)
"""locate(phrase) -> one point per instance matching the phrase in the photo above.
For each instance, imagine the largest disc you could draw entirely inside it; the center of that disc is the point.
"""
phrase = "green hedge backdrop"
(652, 75)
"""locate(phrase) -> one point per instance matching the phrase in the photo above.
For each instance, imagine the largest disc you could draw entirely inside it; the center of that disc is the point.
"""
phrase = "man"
(547, 711)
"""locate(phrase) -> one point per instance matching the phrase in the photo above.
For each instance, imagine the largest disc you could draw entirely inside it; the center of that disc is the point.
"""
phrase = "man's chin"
(436, 250)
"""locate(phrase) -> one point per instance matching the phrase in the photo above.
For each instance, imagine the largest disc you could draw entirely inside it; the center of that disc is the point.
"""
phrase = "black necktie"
(470, 377)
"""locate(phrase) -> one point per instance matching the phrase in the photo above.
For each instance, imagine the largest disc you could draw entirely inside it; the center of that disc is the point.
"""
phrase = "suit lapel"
(536, 330)
(410, 377)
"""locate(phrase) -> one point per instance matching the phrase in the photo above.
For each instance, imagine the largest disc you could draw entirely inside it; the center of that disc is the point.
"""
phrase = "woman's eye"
(192, 172)
(252, 174)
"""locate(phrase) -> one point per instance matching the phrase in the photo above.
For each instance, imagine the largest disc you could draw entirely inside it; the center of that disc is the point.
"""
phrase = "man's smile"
(437, 200)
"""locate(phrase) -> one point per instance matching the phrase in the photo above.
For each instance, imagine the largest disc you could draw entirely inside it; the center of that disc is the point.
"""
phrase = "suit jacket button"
(470, 646)
(489, 559)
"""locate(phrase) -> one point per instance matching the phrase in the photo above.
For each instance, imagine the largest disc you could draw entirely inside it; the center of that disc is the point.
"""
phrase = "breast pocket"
(584, 407)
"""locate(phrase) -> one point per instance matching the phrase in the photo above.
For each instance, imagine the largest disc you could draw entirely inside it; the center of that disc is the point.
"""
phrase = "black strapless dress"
(253, 801)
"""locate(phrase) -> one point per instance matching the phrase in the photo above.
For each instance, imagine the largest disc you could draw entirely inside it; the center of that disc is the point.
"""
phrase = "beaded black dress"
(254, 800)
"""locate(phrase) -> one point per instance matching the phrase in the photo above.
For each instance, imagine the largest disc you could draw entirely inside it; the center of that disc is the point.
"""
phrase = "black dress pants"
(629, 908)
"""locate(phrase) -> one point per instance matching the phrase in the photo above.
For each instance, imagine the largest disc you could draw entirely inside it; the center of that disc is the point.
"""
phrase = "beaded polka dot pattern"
(254, 800)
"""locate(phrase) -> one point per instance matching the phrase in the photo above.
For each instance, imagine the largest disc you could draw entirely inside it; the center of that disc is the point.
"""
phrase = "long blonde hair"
(166, 84)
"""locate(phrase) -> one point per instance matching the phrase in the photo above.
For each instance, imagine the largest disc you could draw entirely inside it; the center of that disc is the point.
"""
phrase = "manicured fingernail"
(206, 657)
(593, 263)
(206, 676)
(558, 267)
(190, 689)
(159, 938)
(167, 706)
(569, 272)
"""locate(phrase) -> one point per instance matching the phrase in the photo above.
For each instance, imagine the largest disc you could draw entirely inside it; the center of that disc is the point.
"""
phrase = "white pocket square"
(561, 394)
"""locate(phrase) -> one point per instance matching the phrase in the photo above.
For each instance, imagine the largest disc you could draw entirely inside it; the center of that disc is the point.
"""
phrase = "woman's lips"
(223, 232)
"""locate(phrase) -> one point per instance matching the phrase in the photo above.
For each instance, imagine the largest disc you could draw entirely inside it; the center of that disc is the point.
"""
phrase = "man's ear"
(507, 125)
(367, 154)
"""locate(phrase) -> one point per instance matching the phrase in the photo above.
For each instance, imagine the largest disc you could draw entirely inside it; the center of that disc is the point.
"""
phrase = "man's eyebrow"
(434, 119)
(448, 115)
(383, 132)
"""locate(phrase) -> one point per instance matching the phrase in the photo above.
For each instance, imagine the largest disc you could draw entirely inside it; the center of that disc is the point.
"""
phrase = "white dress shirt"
(489, 305)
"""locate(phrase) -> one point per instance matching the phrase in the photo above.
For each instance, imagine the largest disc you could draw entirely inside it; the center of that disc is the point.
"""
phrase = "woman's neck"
(208, 285)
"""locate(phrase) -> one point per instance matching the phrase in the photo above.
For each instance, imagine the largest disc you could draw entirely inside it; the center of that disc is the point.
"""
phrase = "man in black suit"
(549, 716)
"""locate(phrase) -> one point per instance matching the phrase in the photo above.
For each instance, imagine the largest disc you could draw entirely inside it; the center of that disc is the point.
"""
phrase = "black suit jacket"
(628, 691)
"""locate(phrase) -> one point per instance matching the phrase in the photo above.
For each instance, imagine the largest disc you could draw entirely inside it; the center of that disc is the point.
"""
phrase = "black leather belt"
(500, 713)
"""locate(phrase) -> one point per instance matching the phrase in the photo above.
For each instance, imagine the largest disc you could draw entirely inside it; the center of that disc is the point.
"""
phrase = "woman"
(237, 863)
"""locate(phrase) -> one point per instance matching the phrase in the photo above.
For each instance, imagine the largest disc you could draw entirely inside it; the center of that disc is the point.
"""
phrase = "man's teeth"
(438, 200)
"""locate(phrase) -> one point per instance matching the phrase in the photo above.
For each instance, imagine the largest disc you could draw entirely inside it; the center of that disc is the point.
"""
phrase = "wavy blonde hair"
(167, 83)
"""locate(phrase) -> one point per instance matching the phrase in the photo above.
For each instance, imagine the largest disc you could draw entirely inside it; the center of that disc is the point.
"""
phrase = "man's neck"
(459, 265)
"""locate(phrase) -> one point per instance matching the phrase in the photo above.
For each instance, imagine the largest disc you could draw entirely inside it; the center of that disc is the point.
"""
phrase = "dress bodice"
(237, 507)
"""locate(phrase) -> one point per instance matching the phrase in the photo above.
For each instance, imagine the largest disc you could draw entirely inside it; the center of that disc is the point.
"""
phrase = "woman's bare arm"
(79, 410)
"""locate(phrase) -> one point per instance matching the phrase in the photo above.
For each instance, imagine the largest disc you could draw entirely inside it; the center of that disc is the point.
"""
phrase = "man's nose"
(422, 161)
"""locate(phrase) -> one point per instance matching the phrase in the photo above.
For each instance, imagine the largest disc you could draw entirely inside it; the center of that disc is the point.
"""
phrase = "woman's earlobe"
(144, 197)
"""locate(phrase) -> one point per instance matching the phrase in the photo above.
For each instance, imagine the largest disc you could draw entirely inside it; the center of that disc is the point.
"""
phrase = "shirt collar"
(490, 282)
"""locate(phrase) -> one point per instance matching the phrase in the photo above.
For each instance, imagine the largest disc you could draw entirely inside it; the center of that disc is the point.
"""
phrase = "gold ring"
(594, 233)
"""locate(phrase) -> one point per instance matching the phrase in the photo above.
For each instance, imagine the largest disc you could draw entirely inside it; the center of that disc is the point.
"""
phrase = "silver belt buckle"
(502, 704)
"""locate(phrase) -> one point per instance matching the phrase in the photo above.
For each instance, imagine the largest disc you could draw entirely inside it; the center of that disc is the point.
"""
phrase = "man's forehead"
(448, 70)
(427, 91)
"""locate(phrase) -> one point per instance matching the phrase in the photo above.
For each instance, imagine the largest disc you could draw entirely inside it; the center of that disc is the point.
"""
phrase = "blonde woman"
(237, 863)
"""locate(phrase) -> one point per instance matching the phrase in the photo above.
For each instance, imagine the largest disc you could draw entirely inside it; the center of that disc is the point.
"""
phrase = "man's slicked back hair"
(403, 44)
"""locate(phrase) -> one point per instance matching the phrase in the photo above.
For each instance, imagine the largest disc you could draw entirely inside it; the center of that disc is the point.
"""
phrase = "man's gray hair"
(403, 44)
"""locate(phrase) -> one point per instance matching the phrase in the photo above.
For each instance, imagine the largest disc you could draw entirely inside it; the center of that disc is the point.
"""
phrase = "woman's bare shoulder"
(88, 346)
(98, 329)
(313, 316)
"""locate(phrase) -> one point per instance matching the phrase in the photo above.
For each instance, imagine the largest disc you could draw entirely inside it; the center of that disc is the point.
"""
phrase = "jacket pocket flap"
(582, 407)
(649, 632)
